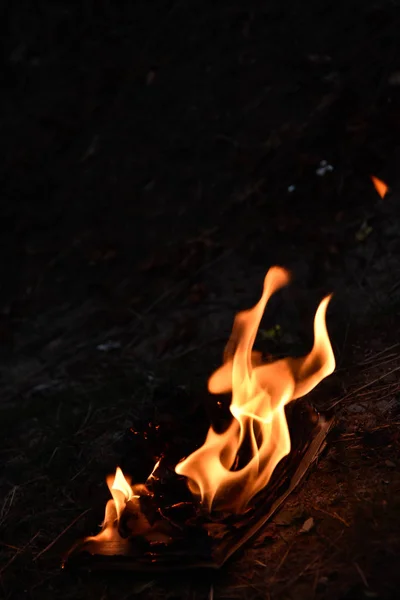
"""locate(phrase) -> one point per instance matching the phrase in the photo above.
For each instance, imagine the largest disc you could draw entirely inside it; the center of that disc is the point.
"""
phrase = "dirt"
(156, 159)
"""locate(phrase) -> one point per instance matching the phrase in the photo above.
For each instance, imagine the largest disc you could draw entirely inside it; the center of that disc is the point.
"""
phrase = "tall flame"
(259, 395)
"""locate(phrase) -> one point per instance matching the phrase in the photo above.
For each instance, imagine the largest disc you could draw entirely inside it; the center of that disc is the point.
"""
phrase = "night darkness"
(156, 159)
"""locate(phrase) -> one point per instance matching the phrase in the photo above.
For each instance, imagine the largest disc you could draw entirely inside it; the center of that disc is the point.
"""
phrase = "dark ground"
(146, 153)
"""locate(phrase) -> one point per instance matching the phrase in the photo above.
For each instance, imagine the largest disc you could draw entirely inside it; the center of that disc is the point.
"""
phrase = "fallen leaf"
(307, 525)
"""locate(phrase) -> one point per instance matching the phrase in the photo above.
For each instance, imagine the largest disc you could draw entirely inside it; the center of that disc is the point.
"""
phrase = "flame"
(380, 186)
(121, 492)
(231, 467)
(259, 395)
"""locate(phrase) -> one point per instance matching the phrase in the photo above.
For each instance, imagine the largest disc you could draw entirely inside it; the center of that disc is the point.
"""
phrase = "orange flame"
(259, 395)
(121, 492)
(380, 186)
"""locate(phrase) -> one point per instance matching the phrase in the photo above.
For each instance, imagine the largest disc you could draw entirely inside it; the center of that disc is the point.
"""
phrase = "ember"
(380, 186)
(198, 512)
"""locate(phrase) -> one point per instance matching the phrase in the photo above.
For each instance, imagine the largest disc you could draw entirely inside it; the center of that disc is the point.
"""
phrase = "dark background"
(147, 151)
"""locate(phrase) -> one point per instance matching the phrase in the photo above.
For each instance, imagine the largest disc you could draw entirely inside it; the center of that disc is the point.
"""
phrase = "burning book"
(199, 512)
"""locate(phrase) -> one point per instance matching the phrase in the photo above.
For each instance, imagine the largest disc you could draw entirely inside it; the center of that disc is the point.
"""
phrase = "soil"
(156, 159)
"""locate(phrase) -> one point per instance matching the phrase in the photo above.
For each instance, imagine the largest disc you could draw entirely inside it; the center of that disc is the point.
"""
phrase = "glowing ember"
(380, 186)
(259, 395)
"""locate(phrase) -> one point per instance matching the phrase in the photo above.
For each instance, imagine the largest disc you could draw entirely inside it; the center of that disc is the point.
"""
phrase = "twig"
(393, 391)
(307, 567)
(284, 557)
(363, 387)
(8, 500)
(211, 594)
(373, 358)
(81, 470)
(361, 574)
(384, 361)
(316, 579)
(393, 423)
(258, 562)
(382, 388)
(61, 534)
(9, 546)
(334, 515)
(20, 551)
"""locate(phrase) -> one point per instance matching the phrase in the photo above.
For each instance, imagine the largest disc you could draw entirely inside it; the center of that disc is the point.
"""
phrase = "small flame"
(121, 492)
(259, 395)
(380, 186)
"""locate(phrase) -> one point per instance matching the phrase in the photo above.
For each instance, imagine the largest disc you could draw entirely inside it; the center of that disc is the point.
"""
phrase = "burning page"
(237, 478)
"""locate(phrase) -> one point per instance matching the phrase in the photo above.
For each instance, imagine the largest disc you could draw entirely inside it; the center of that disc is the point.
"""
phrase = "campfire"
(198, 512)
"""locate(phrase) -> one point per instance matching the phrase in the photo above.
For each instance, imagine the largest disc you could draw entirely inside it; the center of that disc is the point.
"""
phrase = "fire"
(231, 467)
(220, 471)
(380, 186)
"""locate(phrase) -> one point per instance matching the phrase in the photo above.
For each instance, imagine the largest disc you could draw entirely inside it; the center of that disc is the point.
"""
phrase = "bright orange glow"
(380, 186)
(218, 471)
